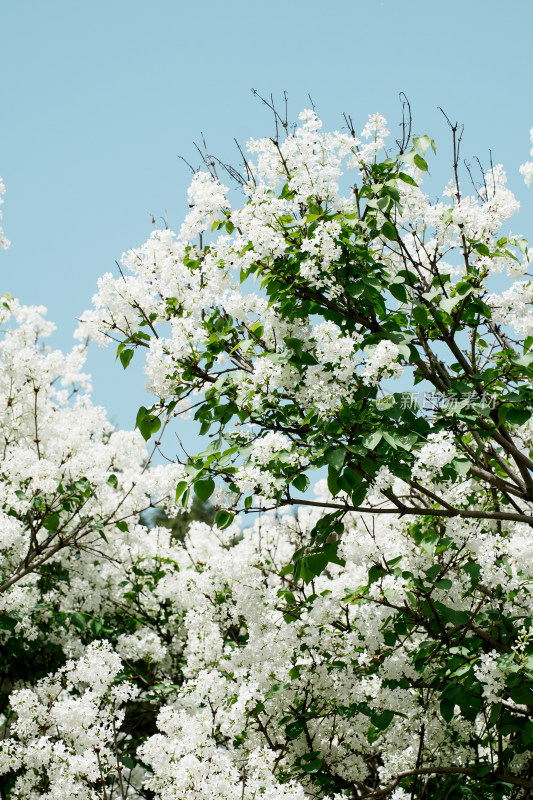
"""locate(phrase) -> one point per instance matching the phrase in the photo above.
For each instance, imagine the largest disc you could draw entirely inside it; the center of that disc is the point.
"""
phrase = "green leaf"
(371, 440)
(141, 413)
(391, 438)
(420, 316)
(147, 423)
(79, 621)
(294, 672)
(8, 623)
(447, 709)
(314, 563)
(398, 291)
(312, 766)
(482, 249)
(420, 162)
(407, 179)
(423, 142)
(523, 361)
(277, 689)
(463, 288)
(522, 693)
(473, 569)
(113, 480)
(224, 519)
(180, 488)
(462, 467)
(333, 484)
(389, 231)
(517, 416)
(452, 615)
(449, 303)
(155, 424)
(301, 482)
(294, 729)
(96, 627)
(125, 357)
(382, 720)
(312, 566)
(432, 572)
(335, 458)
(358, 494)
(51, 522)
(522, 245)
(375, 573)
(204, 489)
(458, 695)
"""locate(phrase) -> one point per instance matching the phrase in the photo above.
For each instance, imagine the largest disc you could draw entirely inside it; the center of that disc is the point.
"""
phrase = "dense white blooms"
(65, 728)
(207, 198)
(144, 643)
(332, 650)
(490, 676)
(514, 307)
(439, 451)
(382, 363)
(70, 485)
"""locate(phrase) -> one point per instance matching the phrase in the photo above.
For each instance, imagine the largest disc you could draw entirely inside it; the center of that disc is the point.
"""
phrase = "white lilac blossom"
(69, 483)
(382, 363)
(249, 674)
(253, 667)
(64, 735)
(439, 451)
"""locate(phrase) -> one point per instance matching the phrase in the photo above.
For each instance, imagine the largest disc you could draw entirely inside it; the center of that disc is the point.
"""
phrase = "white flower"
(382, 363)
(439, 451)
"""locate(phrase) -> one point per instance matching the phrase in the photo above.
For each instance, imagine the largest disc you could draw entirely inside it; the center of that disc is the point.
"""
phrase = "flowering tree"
(375, 641)
(358, 289)
(73, 561)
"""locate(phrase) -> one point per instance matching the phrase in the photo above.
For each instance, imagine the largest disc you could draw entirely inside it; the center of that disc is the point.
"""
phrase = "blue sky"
(100, 98)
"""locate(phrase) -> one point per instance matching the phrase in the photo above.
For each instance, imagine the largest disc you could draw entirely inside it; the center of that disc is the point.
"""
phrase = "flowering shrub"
(372, 641)
(73, 559)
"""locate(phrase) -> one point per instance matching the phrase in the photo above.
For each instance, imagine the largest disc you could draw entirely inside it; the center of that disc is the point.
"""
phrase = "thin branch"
(420, 512)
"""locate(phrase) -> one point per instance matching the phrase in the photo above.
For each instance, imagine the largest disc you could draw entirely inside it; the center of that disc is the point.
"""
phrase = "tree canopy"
(358, 622)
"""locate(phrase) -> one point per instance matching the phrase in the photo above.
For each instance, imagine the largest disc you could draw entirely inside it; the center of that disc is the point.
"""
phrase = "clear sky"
(99, 99)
